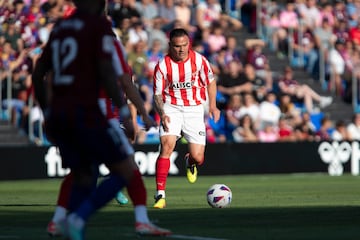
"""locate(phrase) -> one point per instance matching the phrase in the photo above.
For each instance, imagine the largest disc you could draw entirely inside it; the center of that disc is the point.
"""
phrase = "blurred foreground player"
(136, 188)
(79, 53)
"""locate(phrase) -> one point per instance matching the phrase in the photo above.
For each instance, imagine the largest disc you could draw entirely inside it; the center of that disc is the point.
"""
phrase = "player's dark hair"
(178, 32)
(82, 3)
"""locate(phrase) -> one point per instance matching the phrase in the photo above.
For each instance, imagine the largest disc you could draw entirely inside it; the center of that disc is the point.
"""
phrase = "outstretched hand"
(214, 113)
(148, 122)
(165, 120)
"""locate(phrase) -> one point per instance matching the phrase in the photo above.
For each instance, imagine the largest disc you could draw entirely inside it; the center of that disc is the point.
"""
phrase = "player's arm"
(213, 110)
(39, 80)
(133, 95)
(159, 107)
(109, 81)
(158, 80)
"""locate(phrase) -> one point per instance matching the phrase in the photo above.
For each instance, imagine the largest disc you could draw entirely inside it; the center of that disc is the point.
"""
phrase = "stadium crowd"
(256, 104)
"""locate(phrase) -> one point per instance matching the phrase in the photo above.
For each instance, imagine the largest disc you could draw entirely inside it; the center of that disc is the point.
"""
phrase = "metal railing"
(6, 109)
(300, 51)
(322, 65)
(355, 89)
(259, 32)
(6, 115)
(290, 44)
(1, 102)
(37, 137)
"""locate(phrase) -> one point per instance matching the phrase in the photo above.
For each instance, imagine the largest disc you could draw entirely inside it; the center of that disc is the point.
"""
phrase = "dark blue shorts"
(85, 138)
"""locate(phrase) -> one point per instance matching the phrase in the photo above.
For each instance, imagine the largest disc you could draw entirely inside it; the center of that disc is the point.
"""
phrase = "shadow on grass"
(231, 223)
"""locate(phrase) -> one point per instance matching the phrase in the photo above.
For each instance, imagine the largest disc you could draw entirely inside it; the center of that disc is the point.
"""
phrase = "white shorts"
(187, 121)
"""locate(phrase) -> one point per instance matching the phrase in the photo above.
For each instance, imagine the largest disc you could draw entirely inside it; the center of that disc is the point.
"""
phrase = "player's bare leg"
(162, 169)
(194, 158)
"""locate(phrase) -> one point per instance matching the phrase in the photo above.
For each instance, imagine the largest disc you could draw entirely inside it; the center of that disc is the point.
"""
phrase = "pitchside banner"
(335, 158)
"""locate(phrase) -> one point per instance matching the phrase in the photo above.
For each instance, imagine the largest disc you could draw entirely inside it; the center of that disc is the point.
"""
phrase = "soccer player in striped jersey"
(183, 82)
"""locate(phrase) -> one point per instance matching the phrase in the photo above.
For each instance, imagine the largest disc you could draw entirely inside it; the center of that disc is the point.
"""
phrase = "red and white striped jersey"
(121, 67)
(183, 83)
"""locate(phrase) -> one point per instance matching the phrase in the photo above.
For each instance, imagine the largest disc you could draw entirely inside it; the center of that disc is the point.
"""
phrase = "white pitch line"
(9, 237)
(193, 237)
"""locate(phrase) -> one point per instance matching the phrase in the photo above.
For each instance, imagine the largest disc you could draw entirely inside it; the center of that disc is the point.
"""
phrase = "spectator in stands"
(324, 133)
(123, 33)
(225, 55)
(232, 51)
(310, 13)
(202, 47)
(148, 10)
(207, 12)
(259, 86)
(137, 60)
(337, 66)
(44, 32)
(12, 35)
(354, 33)
(246, 131)
(258, 59)
(302, 132)
(306, 119)
(304, 47)
(289, 86)
(353, 129)
(353, 12)
(153, 55)
(248, 15)
(158, 35)
(269, 112)
(216, 39)
(183, 13)
(340, 12)
(167, 14)
(285, 131)
(287, 107)
(271, 28)
(288, 21)
(232, 112)
(8, 56)
(21, 82)
(268, 134)
(123, 9)
(324, 39)
(340, 133)
(230, 23)
(326, 12)
(234, 81)
(341, 31)
(137, 33)
(250, 107)
(20, 10)
(354, 70)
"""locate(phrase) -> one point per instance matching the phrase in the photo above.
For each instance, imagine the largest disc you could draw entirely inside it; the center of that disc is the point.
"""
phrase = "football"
(219, 196)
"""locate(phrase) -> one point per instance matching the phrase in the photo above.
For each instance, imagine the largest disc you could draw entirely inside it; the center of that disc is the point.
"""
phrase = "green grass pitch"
(298, 206)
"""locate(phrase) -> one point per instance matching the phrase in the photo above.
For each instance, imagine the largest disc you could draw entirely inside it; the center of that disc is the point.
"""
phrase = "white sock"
(162, 192)
(141, 214)
(59, 214)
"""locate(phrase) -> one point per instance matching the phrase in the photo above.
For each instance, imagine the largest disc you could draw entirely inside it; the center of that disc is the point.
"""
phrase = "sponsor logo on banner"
(336, 154)
(145, 160)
